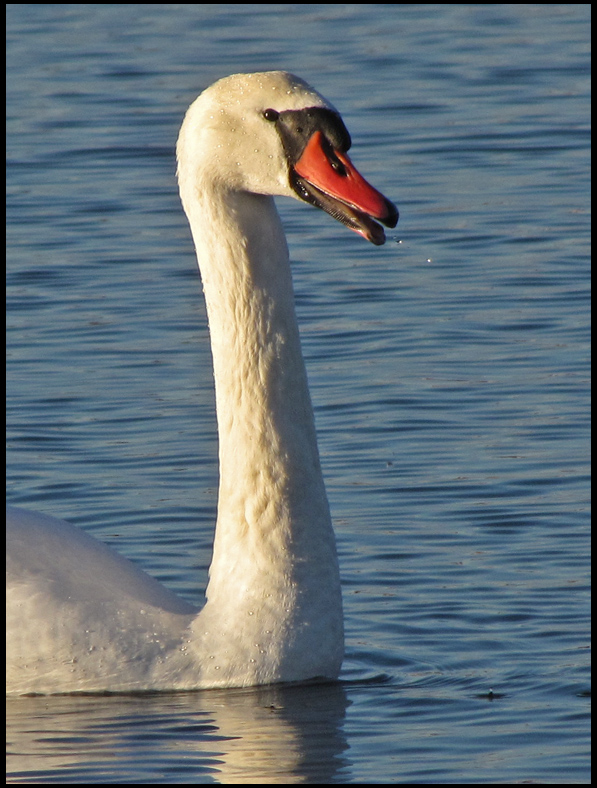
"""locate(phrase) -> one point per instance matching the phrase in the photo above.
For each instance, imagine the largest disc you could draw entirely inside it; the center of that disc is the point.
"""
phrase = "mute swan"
(82, 618)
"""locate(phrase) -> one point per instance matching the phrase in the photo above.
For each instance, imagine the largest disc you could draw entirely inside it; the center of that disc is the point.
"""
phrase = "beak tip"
(391, 220)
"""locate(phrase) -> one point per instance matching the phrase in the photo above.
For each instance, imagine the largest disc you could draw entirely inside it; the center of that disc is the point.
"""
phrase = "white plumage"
(82, 618)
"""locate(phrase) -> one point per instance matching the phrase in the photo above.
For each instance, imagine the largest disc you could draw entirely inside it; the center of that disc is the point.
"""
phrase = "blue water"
(448, 369)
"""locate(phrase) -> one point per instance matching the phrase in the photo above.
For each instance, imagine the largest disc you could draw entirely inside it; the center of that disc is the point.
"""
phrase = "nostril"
(338, 166)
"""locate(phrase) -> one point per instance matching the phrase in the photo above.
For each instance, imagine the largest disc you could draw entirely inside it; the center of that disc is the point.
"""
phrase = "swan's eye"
(271, 114)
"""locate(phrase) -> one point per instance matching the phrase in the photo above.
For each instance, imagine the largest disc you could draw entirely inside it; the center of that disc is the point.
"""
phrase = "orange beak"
(353, 200)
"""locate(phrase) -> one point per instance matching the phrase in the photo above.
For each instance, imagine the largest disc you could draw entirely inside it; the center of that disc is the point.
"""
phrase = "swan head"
(271, 133)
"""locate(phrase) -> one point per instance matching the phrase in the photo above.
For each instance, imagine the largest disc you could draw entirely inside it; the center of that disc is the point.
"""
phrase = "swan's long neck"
(274, 536)
(269, 463)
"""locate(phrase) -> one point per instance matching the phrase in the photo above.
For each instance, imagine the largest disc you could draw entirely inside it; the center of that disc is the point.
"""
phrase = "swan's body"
(82, 618)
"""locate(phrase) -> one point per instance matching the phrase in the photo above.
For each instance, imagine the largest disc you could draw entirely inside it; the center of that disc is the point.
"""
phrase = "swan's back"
(79, 614)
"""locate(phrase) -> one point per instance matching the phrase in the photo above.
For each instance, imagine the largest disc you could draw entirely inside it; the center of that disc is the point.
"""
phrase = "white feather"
(82, 618)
